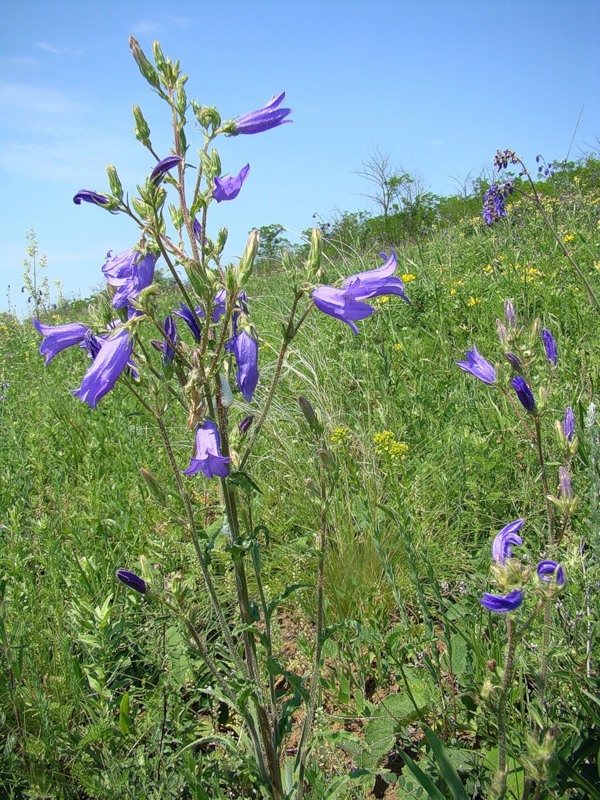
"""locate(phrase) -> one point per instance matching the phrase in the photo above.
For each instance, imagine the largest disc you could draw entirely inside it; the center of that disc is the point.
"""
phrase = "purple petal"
(500, 604)
(477, 366)
(59, 337)
(550, 570)
(132, 580)
(164, 166)
(229, 188)
(87, 196)
(269, 116)
(501, 546)
(110, 362)
(207, 457)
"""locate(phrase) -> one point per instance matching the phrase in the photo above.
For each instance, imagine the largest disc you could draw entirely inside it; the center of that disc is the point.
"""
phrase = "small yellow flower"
(399, 348)
(473, 301)
(530, 274)
(597, 265)
(452, 292)
(407, 277)
(340, 435)
(387, 445)
(569, 237)
(487, 269)
(379, 301)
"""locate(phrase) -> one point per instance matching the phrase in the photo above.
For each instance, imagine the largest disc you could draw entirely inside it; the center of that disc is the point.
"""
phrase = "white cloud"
(56, 50)
(23, 97)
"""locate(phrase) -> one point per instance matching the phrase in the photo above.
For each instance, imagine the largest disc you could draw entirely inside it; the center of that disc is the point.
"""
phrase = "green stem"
(502, 705)
(540, 455)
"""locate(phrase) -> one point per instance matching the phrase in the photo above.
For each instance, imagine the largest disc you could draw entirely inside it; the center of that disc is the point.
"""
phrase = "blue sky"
(438, 85)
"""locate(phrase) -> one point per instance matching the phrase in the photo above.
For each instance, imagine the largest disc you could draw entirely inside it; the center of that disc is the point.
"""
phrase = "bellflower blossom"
(565, 489)
(131, 580)
(128, 274)
(509, 314)
(504, 539)
(548, 570)
(208, 458)
(245, 350)
(524, 393)
(186, 315)
(167, 344)
(111, 361)
(265, 118)
(161, 169)
(229, 188)
(59, 337)
(346, 303)
(501, 604)
(549, 346)
(87, 196)
(569, 424)
(477, 365)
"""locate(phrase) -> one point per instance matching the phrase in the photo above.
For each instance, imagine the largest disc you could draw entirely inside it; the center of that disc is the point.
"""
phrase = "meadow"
(402, 463)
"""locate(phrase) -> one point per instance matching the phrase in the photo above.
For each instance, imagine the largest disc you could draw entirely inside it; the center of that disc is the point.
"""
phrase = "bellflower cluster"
(128, 274)
(494, 207)
(347, 302)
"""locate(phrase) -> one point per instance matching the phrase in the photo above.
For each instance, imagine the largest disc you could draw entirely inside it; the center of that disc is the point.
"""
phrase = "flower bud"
(313, 262)
(144, 65)
(502, 333)
(156, 490)
(310, 416)
(141, 130)
(131, 580)
(116, 187)
(247, 261)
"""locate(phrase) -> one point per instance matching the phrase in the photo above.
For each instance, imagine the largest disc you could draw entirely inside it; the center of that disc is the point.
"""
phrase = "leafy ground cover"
(102, 696)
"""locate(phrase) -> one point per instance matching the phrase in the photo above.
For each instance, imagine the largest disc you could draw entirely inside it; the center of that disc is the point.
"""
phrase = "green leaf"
(446, 767)
(124, 708)
(432, 791)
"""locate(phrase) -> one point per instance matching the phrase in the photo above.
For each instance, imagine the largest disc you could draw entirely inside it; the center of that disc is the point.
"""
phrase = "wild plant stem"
(320, 626)
(502, 704)
(549, 511)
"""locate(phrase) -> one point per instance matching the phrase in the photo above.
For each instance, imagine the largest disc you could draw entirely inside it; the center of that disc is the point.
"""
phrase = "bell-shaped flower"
(208, 458)
(569, 424)
(132, 581)
(549, 571)
(229, 188)
(186, 315)
(245, 351)
(501, 604)
(550, 346)
(59, 337)
(128, 274)
(477, 365)
(111, 360)
(265, 118)
(524, 393)
(346, 302)
(509, 314)
(504, 539)
(88, 196)
(164, 166)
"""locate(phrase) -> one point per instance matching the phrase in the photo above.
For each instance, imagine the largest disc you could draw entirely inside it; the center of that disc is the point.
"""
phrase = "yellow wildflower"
(569, 237)
(407, 277)
(387, 445)
(473, 301)
(487, 269)
(340, 435)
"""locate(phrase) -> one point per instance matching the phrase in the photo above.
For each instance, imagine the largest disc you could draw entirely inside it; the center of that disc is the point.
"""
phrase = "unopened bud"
(310, 415)
(144, 65)
(247, 261)
(116, 187)
(142, 129)
(313, 262)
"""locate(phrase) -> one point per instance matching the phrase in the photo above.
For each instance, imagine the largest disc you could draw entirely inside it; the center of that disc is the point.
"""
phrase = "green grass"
(416, 526)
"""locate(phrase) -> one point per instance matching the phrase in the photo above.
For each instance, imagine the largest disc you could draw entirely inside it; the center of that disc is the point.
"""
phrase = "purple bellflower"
(186, 315)
(167, 345)
(500, 604)
(493, 202)
(131, 580)
(265, 118)
(565, 489)
(524, 393)
(509, 314)
(245, 350)
(109, 363)
(550, 346)
(164, 166)
(550, 570)
(245, 424)
(128, 274)
(197, 229)
(229, 188)
(59, 337)
(208, 458)
(87, 196)
(504, 539)
(346, 303)
(220, 303)
(569, 424)
(477, 365)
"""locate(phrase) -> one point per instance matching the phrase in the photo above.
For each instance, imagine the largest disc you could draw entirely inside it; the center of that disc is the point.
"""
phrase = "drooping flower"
(265, 118)
(208, 458)
(229, 188)
(245, 351)
(245, 424)
(501, 604)
(59, 337)
(88, 196)
(477, 365)
(220, 302)
(569, 424)
(550, 346)
(197, 229)
(514, 361)
(524, 393)
(111, 361)
(128, 274)
(171, 340)
(186, 315)
(504, 539)
(346, 303)
(164, 166)
(131, 580)
(548, 571)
